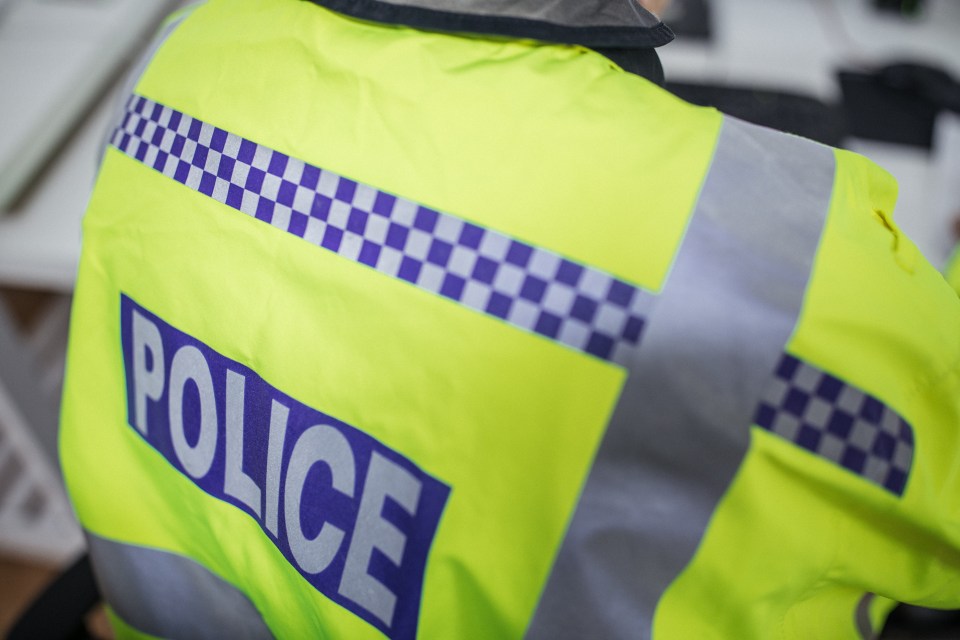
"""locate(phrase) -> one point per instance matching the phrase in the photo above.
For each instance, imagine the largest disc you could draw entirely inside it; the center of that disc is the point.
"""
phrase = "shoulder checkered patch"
(526, 286)
(839, 422)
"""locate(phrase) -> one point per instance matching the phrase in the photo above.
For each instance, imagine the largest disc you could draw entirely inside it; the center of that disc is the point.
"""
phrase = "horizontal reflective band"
(838, 422)
(528, 287)
(169, 596)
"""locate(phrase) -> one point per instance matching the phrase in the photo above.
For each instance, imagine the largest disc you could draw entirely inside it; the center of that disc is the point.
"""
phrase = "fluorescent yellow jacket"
(392, 332)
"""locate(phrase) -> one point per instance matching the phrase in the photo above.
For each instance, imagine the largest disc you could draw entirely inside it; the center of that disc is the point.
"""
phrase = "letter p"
(147, 383)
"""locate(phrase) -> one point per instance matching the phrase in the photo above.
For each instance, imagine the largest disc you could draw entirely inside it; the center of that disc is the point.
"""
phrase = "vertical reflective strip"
(681, 428)
(169, 596)
(862, 617)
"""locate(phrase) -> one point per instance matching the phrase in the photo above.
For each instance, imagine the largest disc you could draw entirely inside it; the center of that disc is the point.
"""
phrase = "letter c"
(319, 443)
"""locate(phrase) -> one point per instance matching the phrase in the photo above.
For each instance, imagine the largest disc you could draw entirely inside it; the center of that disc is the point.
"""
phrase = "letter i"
(278, 432)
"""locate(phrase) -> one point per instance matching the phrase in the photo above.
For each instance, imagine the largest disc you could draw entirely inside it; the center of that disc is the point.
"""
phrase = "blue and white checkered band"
(839, 422)
(528, 287)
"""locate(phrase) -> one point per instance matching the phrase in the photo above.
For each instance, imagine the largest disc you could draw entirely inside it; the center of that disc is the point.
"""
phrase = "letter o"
(189, 364)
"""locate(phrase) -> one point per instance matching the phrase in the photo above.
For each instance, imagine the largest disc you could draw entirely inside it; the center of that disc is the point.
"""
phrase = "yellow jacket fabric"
(389, 332)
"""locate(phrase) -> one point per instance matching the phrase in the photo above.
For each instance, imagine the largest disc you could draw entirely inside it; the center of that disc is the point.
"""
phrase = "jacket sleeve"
(878, 316)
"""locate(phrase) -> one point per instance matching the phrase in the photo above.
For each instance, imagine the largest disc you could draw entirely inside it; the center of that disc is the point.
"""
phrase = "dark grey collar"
(591, 23)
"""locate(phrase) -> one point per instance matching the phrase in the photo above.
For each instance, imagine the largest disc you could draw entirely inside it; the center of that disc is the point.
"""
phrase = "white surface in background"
(790, 45)
(945, 179)
(40, 241)
(797, 46)
(36, 520)
(56, 57)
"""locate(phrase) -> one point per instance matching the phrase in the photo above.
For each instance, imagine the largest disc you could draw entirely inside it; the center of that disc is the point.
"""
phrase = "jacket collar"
(591, 23)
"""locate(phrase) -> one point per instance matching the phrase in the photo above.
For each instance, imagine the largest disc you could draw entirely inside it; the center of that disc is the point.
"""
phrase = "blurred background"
(874, 76)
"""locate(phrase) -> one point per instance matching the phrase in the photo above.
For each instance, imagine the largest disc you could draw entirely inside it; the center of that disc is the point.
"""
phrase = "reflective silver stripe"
(169, 596)
(862, 617)
(682, 425)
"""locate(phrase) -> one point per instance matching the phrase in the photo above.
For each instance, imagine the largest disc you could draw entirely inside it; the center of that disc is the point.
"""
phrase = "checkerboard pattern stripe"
(839, 422)
(526, 286)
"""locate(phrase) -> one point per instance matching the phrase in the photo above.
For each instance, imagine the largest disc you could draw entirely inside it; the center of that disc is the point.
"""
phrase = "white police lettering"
(319, 443)
(189, 364)
(237, 483)
(278, 432)
(148, 379)
(373, 532)
(195, 406)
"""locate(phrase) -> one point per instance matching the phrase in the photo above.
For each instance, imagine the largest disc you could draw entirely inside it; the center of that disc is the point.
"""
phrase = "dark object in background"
(898, 102)
(800, 115)
(915, 623)
(58, 614)
(903, 7)
(689, 19)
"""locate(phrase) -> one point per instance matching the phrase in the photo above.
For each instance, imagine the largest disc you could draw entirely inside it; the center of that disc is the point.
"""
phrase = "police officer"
(426, 318)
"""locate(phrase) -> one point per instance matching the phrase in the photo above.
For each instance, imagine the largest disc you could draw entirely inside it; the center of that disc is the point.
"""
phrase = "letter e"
(384, 478)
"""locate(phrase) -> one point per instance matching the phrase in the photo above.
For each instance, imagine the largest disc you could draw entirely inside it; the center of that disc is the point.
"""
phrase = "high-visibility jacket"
(392, 332)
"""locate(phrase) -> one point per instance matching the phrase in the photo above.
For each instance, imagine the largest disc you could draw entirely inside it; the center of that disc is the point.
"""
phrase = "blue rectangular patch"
(353, 516)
